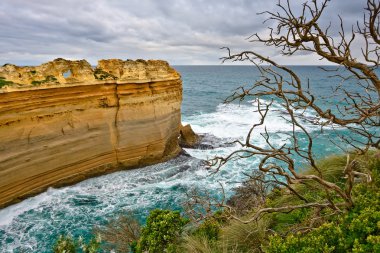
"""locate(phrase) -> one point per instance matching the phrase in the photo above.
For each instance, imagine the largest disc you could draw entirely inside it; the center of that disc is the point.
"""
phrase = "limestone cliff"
(64, 121)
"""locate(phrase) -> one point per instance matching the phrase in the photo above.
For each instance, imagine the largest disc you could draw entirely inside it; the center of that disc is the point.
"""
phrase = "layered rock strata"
(63, 121)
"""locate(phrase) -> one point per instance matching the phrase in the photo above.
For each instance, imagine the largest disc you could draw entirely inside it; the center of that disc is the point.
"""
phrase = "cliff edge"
(64, 121)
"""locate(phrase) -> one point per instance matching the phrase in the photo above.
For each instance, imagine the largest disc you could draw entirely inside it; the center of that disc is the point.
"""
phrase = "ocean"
(34, 224)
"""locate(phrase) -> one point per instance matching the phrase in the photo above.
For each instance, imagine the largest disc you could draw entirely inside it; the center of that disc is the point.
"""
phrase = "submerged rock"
(209, 141)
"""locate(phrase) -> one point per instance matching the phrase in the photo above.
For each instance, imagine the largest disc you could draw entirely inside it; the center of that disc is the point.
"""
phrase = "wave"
(33, 224)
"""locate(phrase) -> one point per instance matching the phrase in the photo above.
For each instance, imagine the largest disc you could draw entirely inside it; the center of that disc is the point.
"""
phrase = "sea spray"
(34, 224)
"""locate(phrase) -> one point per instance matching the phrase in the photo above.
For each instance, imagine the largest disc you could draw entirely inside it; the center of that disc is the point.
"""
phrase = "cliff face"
(62, 121)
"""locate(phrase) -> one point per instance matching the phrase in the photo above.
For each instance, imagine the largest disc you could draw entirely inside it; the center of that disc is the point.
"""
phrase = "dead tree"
(358, 112)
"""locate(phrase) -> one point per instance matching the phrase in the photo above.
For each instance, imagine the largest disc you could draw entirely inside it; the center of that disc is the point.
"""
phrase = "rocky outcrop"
(63, 121)
(188, 139)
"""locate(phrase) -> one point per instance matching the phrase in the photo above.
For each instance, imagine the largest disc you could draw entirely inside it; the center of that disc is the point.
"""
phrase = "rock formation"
(63, 121)
(188, 139)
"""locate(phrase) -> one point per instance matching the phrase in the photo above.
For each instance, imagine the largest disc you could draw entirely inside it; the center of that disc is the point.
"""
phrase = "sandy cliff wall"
(58, 128)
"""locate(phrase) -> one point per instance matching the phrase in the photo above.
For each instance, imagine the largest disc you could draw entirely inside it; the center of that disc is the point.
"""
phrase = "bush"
(66, 244)
(4, 82)
(251, 194)
(48, 79)
(102, 75)
(355, 231)
(209, 229)
(162, 231)
(120, 234)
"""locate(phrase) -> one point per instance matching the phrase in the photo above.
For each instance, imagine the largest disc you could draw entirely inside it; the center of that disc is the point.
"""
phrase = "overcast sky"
(180, 31)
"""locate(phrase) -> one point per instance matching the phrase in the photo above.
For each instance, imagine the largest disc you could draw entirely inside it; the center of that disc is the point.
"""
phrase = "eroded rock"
(188, 138)
(77, 126)
(61, 72)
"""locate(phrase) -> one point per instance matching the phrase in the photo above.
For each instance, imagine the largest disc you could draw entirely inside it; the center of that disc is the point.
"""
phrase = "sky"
(183, 32)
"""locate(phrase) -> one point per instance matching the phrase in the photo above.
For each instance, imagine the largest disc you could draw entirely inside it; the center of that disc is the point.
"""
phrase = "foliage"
(102, 75)
(198, 244)
(120, 234)
(306, 230)
(48, 79)
(245, 237)
(4, 82)
(91, 247)
(162, 231)
(209, 229)
(279, 88)
(355, 231)
(251, 194)
(66, 244)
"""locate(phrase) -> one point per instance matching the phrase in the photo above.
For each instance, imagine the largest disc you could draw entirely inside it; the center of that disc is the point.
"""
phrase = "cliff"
(63, 121)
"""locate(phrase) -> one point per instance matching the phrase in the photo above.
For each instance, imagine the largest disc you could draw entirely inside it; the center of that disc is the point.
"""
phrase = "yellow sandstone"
(63, 121)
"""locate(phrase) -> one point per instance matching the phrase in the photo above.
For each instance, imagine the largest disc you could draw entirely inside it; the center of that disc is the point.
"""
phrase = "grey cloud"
(180, 31)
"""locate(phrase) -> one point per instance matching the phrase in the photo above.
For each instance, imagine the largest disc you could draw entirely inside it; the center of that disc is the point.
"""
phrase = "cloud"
(182, 32)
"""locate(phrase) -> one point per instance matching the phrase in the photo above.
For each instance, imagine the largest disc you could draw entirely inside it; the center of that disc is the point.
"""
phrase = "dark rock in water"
(209, 141)
(184, 153)
(188, 138)
(80, 200)
(184, 168)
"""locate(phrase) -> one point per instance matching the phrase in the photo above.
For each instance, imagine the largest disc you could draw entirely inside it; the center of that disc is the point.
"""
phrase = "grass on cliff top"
(357, 230)
(48, 79)
(4, 82)
(303, 230)
(102, 75)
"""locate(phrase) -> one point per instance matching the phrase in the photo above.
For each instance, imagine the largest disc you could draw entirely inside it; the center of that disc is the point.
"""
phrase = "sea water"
(34, 224)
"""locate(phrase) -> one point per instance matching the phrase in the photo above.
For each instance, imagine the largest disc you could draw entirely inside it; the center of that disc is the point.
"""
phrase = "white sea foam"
(79, 207)
(8, 214)
(234, 121)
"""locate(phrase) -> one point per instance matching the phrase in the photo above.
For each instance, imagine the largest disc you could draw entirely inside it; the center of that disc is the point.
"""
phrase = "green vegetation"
(358, 230)
(302, 230)
(102, 75)
(308, 230)
(48, 79)
(120, 234)
(4, 82)
(209, 229)
(162, 232)
(334, 206)
(66, 244)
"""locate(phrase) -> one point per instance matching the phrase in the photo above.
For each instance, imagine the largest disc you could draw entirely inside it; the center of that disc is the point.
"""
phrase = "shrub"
(102, 75)
(209, 229)
(251, 194)
(48, 79)
(4, 82)
(120, 234)
(93, 245)
(355, 231)
(66, 244)
(162, 231)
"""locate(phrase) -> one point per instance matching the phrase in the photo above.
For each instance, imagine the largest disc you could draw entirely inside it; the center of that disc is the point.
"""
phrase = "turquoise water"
(34, 224)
